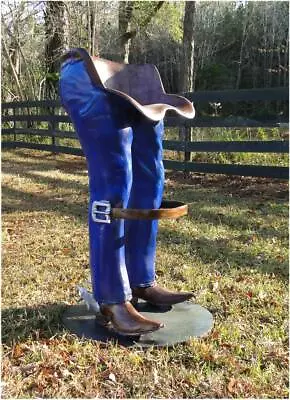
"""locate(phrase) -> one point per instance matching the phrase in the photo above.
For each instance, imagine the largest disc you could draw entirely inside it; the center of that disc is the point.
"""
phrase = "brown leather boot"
(125, 320)
(159, 296)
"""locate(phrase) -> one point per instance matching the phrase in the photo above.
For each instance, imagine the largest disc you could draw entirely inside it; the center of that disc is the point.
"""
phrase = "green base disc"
(181, 322)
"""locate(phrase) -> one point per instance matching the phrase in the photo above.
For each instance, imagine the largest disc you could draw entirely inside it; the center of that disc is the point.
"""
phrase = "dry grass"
(232, 251)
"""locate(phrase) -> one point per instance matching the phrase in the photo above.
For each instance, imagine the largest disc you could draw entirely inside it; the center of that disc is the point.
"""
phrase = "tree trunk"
(286, 62)
(92, 28)
(188, 64)
(126, 33)
(188, 46)
(56, 27)
(14, 72)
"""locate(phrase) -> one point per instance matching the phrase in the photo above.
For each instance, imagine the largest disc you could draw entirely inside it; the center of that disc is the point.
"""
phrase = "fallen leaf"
(66, 250)
(17, 351)
(231, 385)
(47, 371)
(112, 377)
(28, 368)
(155, 376)
(215, 334)
(262, 295)
(226, 345)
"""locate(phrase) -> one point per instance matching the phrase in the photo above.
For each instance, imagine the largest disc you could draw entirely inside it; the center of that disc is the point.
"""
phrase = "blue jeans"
(124, 157)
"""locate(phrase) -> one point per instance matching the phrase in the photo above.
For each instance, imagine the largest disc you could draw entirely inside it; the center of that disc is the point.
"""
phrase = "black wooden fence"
(53, 114)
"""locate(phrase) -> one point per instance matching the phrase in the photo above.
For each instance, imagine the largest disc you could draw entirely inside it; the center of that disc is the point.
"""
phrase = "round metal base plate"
(182, 321)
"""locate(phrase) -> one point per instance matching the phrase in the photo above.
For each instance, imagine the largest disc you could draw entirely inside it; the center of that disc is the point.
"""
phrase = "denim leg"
(112, 173)
(101, 122)
(146, 192)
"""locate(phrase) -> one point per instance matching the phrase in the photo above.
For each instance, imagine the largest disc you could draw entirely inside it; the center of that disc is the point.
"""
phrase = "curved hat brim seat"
(156, 111)
(140, 84)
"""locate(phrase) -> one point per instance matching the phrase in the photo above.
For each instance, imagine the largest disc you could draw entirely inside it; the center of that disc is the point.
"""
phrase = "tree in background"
(56, 33)
(130, 24)
(160, 43)
(188, 59)
(236, 45)
(188, 47)
(19, 77)
(93, 27)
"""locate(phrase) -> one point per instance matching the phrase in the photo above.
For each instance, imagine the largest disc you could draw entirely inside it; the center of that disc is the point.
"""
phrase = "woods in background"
(215, 45)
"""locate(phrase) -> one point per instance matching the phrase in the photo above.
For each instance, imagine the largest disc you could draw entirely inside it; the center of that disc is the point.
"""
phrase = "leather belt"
(102, 211)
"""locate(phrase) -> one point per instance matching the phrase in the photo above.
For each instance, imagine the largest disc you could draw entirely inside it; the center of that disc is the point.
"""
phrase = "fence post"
(187, 139)
(14, 125)
(52, 127)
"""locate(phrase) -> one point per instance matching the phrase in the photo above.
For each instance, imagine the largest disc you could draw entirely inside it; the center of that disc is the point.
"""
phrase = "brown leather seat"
(139, 84)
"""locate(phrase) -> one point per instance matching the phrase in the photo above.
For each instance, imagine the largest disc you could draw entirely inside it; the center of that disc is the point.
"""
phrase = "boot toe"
(161, 297)
(125, 320)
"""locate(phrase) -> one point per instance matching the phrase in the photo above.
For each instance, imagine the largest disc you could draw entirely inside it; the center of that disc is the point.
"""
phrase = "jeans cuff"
(144, 285)
(127, 298)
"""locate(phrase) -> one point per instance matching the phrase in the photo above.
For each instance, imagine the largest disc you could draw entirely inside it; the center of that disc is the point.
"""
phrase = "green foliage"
(52, 76)
(141, 10)
(169, 18)
(227, 134)
(241, 45)
(212, 76)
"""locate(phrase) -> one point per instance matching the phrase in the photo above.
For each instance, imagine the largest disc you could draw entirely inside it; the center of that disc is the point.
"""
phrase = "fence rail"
(198, 122)
(51, 112)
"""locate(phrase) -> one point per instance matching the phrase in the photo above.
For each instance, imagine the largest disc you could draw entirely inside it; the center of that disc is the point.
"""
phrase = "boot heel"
(103, 320)
(134, 301)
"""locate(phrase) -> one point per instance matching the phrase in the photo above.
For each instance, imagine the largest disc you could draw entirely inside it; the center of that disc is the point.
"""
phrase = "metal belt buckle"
(101, 211)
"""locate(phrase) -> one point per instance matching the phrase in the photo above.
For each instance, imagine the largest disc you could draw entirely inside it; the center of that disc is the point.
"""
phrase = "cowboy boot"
(101, 122)
(158, 296)
(127, 321)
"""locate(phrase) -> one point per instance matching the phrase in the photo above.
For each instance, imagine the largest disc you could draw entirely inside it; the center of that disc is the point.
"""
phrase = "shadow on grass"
(47, 161)
(249, 219)
(240, 186)
(40, 322)
(254, 201)
(210, 251)
(17, 201)
(199, 197)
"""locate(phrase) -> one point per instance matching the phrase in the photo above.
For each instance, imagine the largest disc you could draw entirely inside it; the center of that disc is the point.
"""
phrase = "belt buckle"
(101, 211)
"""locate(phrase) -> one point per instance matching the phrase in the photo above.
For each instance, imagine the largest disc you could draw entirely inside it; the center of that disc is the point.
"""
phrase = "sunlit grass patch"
(231, 250)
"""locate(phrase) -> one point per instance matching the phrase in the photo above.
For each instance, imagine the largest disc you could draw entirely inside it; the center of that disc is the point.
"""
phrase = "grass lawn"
(232, 250)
